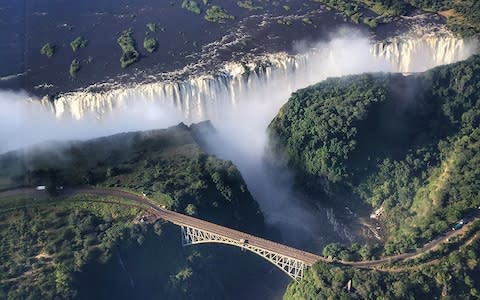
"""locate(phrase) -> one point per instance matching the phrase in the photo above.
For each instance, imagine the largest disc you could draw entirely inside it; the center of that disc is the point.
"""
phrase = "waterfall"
(424, 52)
(197, 98)
(207, 96)
(241, 99)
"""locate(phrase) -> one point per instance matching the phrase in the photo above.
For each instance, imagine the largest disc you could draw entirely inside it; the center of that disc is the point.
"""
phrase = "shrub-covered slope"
(68, 247)
(407, 144)
(454, 274)
(168, 164)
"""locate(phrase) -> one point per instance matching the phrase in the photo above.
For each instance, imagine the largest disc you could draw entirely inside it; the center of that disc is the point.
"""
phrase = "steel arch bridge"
(293, 267)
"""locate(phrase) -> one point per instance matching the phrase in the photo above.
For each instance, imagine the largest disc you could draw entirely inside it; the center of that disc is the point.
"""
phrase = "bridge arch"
(291, 266)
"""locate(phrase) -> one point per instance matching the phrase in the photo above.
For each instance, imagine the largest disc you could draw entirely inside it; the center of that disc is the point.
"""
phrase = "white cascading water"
(206, 97)
(241, 100)
(420, 53)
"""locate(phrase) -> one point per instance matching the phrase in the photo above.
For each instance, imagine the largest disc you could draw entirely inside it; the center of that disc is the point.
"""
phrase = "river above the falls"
(188, 44)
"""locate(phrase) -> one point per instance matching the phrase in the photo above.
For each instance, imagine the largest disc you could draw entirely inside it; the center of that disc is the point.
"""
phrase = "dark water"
(188, 40)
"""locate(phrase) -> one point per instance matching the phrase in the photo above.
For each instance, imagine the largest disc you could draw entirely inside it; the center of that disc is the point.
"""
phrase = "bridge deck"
(181, 219)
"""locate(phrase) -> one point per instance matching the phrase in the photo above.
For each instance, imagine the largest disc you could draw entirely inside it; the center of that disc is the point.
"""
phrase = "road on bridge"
(181, 219)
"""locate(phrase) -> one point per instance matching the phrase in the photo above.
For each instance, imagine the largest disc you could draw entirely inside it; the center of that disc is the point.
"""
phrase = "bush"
(78, 43)
(48, 50)
(192, 6)
(152, 27)
(191, 209)
(248, 4)
(217, 14)
(150, 44)
(74, 68)
(370, 22)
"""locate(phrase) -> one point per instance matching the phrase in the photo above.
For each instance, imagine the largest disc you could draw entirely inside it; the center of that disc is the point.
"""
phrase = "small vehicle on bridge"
(244, 241)
(41, 188)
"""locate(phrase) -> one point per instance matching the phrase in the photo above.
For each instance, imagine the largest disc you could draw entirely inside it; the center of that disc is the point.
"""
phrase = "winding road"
(184, 220)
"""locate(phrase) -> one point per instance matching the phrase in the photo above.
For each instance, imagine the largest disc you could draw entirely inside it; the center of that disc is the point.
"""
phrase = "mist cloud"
(241, 138)
(241, 127)
(24, 121)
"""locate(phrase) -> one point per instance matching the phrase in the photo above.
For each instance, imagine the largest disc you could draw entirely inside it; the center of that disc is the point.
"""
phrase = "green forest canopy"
(407, 144)
(45, 243)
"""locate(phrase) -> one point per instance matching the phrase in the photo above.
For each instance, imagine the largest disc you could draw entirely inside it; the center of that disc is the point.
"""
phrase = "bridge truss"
(293, 267)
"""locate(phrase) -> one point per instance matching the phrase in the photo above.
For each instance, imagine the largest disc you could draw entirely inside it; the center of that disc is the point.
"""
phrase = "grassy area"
(423, 179)
(453, 244)
(387, 8)
(5, 183)
(66, 248)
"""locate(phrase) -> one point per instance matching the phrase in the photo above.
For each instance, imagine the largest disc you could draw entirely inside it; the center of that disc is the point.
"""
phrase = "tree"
(78, 43)
(150, 44)
(365, 253)
(74, 68)
(191, 209)
(111, 171)
(152, 27)
(48, 50)
(192, 6)
(157, 228)
(332, 250)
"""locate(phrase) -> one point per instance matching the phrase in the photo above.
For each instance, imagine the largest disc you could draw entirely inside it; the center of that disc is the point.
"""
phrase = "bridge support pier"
(292, 266)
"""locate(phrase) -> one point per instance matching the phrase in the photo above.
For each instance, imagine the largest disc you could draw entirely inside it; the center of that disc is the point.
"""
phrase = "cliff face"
(407, 146)
(392, 141)
(206, 97)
